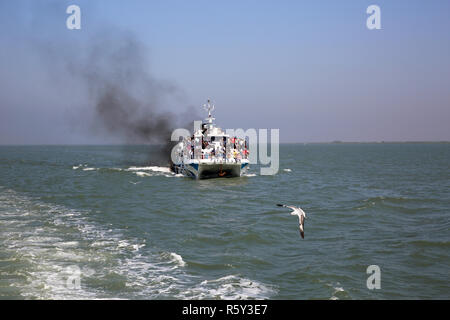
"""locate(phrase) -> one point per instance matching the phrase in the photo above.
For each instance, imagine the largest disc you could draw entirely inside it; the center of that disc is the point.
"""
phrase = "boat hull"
(213, 170)
(208, 171)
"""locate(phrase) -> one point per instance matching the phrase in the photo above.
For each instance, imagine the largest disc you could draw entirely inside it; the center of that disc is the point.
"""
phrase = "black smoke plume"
(98, 78)
(128, 101)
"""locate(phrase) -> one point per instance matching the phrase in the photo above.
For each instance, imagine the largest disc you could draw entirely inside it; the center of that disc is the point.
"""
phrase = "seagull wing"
(301, 212)
(290, 207)
(302, 226)
(302, 232)
(301, 217)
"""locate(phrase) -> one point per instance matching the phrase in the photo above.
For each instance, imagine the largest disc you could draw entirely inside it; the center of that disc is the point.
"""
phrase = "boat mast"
(209, 107)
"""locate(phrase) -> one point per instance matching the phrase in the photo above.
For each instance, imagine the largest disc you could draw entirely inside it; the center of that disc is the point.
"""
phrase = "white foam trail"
(139, 171)
(123, 244)
(155, 170)
(51, 240)
(68, 244)
(337, 290)
(143, 174)
(249, 175)
(151, 168)
(79, 166)
(137, 247)
(126, 244)
(231, 287)
(178, 259)
(44, 261)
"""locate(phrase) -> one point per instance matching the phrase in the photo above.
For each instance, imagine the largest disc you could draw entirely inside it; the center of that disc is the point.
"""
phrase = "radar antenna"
(208, 107)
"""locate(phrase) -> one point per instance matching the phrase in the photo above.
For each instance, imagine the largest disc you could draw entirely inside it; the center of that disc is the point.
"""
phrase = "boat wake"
(55, 252)
(231, 287)
(149, 171)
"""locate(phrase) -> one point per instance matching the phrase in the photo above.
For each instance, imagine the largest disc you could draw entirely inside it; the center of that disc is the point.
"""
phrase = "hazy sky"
(310, 68)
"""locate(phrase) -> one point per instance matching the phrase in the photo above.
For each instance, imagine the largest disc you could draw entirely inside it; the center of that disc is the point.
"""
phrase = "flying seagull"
(296, 211)
(134, 182)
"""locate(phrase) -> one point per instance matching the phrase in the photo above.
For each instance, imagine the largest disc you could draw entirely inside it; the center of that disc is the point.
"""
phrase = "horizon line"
(156, 144)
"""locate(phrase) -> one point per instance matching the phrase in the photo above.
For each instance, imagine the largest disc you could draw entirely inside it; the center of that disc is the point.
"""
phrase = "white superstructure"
(211, 153)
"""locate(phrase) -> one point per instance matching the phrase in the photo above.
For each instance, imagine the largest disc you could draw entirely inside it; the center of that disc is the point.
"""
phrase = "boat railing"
(228, 150)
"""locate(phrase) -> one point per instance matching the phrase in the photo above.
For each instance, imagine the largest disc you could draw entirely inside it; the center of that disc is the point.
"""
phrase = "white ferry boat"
(211, 153)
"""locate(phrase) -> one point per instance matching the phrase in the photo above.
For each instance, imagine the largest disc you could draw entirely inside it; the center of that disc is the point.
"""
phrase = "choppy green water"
(138, 232)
